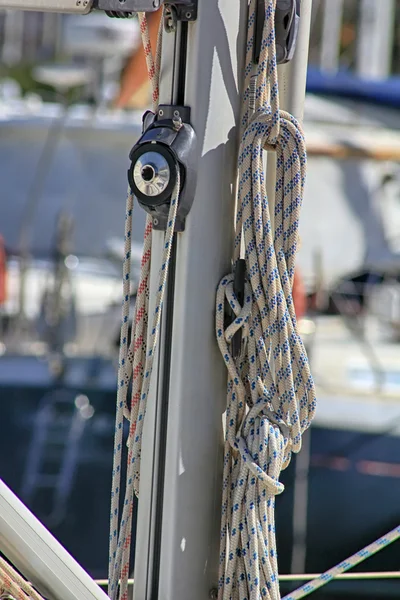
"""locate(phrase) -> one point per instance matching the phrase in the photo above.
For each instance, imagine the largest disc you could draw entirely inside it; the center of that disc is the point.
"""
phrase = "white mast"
(375, 38)
(331, 30)
(177, 545)
(12, 48)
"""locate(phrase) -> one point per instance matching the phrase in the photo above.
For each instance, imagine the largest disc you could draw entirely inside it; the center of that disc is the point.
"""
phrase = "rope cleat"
(239, 279)
(287, 18)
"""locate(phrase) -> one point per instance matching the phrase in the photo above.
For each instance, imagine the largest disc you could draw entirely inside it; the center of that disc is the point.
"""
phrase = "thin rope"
(135, 362)
(367, 575)
(345, 565)
(271, 396)
(344, 576)
(13, 584)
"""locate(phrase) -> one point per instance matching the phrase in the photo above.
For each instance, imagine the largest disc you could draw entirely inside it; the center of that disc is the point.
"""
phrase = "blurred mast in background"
(331, 33)
(12, 42)
(52, 33)
(375, 38)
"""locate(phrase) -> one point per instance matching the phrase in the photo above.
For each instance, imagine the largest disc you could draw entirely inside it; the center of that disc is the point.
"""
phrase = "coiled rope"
(271, 396)
(135, 361)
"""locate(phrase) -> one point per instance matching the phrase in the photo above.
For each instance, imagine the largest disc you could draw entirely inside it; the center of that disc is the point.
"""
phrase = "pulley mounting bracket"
(184, 10)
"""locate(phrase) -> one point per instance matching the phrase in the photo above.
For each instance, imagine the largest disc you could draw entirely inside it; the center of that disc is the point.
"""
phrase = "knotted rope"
(271, 397)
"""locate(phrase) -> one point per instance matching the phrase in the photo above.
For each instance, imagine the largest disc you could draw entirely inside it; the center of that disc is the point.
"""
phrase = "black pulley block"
(167, 147)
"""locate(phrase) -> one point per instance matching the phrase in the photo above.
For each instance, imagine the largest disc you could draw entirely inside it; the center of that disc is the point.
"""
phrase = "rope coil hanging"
(271, 396)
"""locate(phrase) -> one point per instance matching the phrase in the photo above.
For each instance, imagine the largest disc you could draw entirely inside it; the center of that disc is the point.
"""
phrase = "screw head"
(155, 221)
(188, 15)
(176, 113)
(161, 112)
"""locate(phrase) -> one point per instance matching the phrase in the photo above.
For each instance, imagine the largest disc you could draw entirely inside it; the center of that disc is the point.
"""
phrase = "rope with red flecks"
(11, 583)
(135, 361)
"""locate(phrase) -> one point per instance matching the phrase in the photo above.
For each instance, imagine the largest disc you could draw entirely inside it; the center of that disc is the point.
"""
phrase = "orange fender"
(299, 296)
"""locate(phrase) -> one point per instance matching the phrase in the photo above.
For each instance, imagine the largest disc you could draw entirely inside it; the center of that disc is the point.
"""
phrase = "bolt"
(213, 594)
(155, 222)
(188, 15)
(176, 113)
(161, 112)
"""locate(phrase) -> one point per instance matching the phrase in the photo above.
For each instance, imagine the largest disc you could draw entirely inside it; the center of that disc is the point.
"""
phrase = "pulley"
(167, 147)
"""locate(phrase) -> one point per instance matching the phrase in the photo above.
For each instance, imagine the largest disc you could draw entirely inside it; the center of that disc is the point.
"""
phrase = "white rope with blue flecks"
(271, 397)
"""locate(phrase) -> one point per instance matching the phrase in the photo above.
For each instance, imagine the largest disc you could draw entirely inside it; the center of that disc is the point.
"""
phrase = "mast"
(375, 38)
(330, 38)
(177, 546)
(13, 37)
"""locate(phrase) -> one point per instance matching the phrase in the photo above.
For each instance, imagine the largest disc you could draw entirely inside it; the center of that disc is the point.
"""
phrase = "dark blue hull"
(82, 527)
(354, 491)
